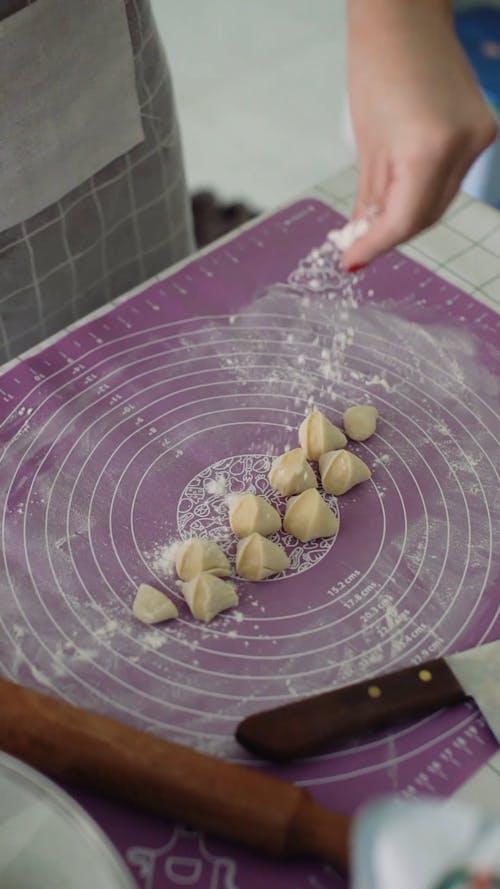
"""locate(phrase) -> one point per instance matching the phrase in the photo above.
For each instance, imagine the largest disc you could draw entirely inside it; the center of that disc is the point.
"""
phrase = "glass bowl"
(46, 839)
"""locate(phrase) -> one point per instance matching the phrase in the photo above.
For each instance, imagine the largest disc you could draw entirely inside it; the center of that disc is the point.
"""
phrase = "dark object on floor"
(212, 219)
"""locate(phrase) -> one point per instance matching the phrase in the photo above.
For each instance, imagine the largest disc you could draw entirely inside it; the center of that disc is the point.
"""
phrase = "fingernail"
(356, 268)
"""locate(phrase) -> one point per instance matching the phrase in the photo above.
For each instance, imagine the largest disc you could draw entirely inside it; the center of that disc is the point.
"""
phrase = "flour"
(382, 460)
(107, 630)
(217, 486)
(154, 639)
(231, 500)
(343, 238)
(378, 380)
(164, 556)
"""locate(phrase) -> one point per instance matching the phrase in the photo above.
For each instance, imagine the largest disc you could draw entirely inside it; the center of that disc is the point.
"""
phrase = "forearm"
(393, 30)
(418, 116)
(383, 13)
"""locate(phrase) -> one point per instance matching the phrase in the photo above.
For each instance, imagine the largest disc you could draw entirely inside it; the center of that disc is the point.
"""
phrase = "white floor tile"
(477, 266)
(492, 288)
(412, 253)
(440, 243)
(453, 278)
(492, 242)
(461, 200)
(476, 221)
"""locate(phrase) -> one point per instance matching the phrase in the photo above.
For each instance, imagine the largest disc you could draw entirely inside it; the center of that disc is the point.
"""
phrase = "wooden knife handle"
(308, 726)
(168, 779)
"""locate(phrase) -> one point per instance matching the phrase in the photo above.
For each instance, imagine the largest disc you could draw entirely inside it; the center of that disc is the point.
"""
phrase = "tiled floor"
(261, 90)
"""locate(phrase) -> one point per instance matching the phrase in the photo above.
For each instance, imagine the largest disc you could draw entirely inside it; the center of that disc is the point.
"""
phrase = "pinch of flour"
(343, 238)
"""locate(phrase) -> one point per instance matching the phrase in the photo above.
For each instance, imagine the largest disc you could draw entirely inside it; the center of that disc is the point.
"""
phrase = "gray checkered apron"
(124, 224)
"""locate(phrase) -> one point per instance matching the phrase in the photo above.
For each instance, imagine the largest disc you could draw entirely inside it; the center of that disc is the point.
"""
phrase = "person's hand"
(419, 118)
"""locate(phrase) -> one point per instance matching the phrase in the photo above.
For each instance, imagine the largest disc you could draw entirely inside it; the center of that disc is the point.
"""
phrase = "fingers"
(372, 187)
(408, 206)
(402, 200)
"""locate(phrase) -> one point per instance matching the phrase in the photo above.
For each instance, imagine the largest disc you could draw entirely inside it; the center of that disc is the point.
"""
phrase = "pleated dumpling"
(257, 558)
(152, 606)
(291, 473)
(341, 470)
(208, 595)
(197, 555)
(317, 436)
(249, 513)
(308, 516)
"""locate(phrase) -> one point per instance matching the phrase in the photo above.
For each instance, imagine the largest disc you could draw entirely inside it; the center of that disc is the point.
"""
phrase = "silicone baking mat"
(130, 431)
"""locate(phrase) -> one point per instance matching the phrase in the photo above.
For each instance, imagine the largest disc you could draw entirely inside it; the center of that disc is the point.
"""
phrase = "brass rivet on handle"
(374, 691)
(425, 675)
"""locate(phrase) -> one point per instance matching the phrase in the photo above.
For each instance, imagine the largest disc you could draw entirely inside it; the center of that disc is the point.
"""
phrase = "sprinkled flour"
(343, 238)
(164, 557)
(217, 486)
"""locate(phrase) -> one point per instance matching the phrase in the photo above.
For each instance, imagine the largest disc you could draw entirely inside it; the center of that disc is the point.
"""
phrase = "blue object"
(478, 29)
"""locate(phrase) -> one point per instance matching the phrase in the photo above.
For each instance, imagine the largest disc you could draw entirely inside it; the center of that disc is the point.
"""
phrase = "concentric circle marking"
(168, 414)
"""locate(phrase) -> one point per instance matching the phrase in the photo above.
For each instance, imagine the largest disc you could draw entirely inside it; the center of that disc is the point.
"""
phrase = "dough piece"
(197, 555)
(307, 516)
(317, 436)
(341, 470)
(249, 513)
(150, 606)
(207, 595)
(291, 473)
(257, 558)
(360, 421)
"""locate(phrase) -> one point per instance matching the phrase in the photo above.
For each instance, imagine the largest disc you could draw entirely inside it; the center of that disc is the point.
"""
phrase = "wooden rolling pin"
(170, 780)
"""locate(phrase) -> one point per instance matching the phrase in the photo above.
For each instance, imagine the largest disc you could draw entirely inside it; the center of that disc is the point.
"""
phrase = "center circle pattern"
(203, 509)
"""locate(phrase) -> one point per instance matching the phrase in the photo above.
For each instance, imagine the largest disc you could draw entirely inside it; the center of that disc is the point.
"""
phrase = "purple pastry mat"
(112, 435)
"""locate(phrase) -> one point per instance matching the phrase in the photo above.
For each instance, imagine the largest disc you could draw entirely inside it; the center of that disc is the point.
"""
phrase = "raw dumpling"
(207, 595)
(307, 516)
(257, 558)
(197, 555)
(151, 606)
(291, 473)
(360, 421)
(249, 513)
(317, 436)
(341, 470)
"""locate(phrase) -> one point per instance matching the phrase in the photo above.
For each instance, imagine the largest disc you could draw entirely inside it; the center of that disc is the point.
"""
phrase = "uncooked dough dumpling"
(317, 436)
(307, 516)
(249, 513)
(341, 470)
(257, 558)
(291, 473)
(151, 606)
(207, 595)
(360, 421)
(197, 555)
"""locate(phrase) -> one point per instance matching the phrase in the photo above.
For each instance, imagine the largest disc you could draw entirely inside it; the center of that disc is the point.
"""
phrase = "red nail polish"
(356, 268)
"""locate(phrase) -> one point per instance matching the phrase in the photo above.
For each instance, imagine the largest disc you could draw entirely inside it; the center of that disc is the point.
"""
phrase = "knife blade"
(308, 726)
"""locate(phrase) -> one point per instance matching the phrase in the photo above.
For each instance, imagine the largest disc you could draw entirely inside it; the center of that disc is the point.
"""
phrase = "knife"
(310, 725)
